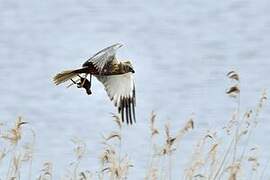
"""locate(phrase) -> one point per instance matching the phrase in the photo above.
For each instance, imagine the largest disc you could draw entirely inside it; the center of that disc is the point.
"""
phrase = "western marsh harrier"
(116, 76)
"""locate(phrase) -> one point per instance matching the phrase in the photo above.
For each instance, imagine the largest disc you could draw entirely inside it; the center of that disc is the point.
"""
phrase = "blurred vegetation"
(228, 157)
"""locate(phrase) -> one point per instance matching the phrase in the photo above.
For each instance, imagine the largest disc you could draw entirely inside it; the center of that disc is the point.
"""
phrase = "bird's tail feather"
(67, 75)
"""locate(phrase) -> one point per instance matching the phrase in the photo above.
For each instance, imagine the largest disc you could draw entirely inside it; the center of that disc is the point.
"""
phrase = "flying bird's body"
(116, 76)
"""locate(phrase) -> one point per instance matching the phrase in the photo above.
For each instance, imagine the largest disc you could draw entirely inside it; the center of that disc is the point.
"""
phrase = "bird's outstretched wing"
(104, 56)
(121, 90)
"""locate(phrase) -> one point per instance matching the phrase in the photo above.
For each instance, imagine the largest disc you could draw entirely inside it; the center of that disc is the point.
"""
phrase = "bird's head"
(128, 66)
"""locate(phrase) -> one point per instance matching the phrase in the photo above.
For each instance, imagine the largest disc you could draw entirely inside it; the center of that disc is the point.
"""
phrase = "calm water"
(181, 51)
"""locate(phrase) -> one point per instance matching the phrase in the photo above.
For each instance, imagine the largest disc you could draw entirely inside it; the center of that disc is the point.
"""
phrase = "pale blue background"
(181, 51)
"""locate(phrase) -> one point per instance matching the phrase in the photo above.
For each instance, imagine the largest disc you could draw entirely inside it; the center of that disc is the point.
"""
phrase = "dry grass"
(226, 158)
(230, 156)
(18, 154)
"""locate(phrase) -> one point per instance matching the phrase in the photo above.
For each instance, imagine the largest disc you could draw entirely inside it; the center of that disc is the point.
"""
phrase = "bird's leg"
(82, 81)
(73, 82)
(85, 78)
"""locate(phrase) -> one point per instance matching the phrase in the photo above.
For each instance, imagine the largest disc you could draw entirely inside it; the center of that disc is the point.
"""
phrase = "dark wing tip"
(127, 110)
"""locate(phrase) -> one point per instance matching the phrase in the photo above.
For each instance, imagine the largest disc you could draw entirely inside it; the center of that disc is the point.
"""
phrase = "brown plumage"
(109, 69)
(116, 76)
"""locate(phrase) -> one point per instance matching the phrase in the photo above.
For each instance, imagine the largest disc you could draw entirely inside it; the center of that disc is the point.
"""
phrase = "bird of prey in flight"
(116, 76)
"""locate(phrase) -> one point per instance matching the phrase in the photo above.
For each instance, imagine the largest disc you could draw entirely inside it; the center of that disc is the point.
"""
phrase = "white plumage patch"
(121, 90)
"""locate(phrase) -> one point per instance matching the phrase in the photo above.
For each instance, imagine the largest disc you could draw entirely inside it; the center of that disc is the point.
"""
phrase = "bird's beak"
(132, 70)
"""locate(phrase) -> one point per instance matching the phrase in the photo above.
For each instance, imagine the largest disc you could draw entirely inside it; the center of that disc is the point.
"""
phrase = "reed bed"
(214, 157)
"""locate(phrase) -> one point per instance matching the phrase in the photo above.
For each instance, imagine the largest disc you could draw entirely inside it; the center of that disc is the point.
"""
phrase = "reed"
(227, 154)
